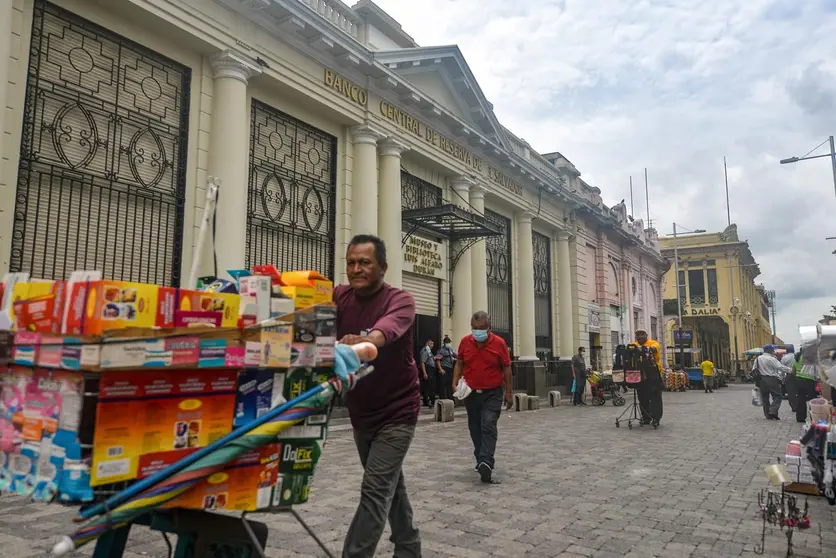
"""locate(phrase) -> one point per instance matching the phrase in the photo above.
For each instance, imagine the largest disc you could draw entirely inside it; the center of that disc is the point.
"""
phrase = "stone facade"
(311, 113)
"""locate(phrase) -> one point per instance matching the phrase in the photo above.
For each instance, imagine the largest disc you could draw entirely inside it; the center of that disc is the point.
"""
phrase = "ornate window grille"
(101, 179)
(696, 286)
(542, 292)
(417, 193)
(713, 298)
(500, 298)
(291, 216)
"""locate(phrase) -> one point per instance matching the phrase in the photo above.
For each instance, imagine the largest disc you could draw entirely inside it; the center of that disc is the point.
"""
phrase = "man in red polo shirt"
(484, 361)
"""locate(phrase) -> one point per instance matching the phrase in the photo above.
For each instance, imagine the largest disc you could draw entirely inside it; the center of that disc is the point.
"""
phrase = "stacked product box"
(260, 389)
(174, 370)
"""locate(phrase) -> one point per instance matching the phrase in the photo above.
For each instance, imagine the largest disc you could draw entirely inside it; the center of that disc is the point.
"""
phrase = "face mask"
(481, 335)
(448, 345)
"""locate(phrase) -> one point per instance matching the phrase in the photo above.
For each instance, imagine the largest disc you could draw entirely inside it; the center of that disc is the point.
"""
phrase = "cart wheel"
(629, 425)
(598, 401)
(618, 401)
(617, 425)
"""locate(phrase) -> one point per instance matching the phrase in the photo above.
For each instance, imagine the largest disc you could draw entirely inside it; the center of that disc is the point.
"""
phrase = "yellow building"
(724, 313)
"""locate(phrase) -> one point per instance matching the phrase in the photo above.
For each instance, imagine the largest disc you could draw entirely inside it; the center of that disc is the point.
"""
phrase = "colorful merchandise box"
(143, 413)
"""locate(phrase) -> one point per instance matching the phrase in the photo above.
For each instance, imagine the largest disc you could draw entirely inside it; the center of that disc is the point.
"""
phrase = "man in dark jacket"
(579, 368)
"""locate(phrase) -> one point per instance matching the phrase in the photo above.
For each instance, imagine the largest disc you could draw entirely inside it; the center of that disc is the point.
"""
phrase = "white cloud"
(673, 86)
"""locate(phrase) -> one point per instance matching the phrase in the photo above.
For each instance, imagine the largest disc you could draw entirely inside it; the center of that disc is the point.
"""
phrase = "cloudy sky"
(673, 85)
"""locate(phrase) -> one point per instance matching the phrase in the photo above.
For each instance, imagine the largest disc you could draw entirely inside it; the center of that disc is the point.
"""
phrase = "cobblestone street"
(572, 485)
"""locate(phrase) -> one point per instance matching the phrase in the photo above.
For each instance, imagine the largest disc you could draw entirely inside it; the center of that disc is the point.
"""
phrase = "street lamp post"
(832, 156)
(678, 298)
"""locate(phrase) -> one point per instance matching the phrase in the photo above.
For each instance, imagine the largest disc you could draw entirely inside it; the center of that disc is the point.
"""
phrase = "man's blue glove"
(346, 362)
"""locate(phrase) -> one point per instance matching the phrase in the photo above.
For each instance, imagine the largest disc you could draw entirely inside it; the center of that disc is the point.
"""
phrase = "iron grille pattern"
(713, 298)
(417, 193)
(541, 246)
(500, 299)
(101, 178)
(291, 202)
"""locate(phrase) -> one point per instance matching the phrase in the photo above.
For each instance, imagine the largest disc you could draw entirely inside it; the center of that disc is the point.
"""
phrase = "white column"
(6, 11)
(478, 254)
(389, 208)
(462, 274)
(528, 341)
(364, 200)
(228, 154)
(564, 292)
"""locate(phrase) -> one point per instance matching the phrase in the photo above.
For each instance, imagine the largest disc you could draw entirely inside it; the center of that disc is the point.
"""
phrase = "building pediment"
(443, 75)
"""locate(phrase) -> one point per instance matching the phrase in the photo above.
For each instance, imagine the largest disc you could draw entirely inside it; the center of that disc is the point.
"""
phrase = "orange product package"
(28, 290)
(41, 313)
(147, 416)
(246, 484)
(228, 304)
(323, 289)
(99, 306)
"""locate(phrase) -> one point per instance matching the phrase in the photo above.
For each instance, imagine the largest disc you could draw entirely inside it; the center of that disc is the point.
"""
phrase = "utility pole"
(678, 299)
(647, 199)
(728, 207)
(734, 311)
(770, 298)
(833, 160)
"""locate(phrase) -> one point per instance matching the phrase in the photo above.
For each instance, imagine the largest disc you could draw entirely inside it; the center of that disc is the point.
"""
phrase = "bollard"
(445, 410)
(520, 402)
(554, 398)
(534, 403)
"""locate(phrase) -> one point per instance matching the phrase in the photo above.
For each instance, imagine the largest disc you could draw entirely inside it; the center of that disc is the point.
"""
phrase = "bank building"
(322, 121)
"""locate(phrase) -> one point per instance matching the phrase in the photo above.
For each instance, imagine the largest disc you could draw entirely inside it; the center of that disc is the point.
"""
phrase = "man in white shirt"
(790, 385)
(772, 373)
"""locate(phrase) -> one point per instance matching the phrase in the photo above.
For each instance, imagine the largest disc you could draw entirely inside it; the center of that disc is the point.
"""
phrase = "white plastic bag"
(756, 397)
(462, 390)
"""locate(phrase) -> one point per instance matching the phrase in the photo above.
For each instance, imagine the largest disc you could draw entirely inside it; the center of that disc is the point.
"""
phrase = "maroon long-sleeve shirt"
(391, 393)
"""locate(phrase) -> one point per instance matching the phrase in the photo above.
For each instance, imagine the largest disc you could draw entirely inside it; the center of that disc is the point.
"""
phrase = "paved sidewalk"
(573, 485)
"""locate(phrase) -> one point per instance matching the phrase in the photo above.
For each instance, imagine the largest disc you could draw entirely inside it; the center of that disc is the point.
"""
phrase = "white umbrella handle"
(212, 187)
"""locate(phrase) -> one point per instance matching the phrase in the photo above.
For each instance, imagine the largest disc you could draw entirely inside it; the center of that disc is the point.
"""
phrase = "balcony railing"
(340, 15)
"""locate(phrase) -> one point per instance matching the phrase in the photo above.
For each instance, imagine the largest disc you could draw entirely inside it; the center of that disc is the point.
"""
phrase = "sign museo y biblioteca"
(424, 257)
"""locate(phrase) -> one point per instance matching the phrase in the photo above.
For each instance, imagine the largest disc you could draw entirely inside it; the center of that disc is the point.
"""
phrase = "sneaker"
(485, 472)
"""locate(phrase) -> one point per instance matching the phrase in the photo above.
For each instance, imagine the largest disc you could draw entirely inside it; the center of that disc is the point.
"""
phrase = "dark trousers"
(805, 390)
(383, 495)
(791, 386)
(428, 386)
(770, 385)
(483, 410)
(444, 382)
(649, 393)
(580, 387)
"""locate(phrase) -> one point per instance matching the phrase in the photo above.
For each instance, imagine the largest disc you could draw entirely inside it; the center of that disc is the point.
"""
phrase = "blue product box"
(254, 395)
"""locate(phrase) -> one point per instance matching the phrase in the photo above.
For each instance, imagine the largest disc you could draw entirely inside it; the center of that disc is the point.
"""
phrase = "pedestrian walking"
(790, 382)
(805, 384)
(579, 369)
(771, 373)
(383, 407)
(485, 363)
(649, 390)
(707, 375)
(429, 373)
(447, 360)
